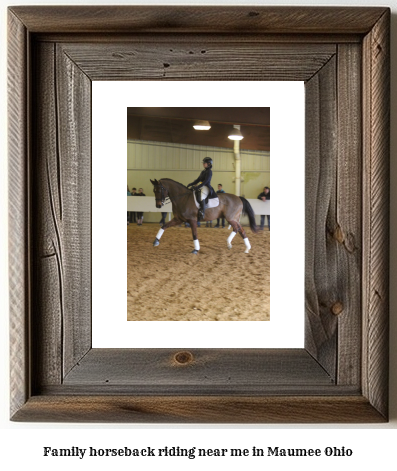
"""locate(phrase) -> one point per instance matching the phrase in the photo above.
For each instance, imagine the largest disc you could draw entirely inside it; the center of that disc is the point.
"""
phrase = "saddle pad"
(212, 202)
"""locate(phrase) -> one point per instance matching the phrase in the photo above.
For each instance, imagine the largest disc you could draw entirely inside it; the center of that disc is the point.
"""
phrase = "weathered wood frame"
(343, 56)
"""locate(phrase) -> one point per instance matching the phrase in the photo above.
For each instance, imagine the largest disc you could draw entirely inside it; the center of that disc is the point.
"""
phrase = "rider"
(205, 179)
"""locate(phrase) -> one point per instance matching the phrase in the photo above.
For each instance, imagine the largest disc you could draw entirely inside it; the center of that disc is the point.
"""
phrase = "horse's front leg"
(193, 225)
(175, 221)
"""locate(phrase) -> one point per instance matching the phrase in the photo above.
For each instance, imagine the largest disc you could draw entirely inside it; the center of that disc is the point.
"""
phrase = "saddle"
(209, 202)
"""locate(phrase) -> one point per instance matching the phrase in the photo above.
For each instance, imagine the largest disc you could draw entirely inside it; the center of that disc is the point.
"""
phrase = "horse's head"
(160, 193)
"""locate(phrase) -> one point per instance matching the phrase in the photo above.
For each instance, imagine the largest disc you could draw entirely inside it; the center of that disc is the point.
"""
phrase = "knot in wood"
(338, 235)
(337, 308)
(183, 358)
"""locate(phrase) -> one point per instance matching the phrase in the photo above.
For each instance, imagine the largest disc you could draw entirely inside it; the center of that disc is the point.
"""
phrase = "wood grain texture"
(73, 89)
(48, 298)
(196, 19)
(199, 409)
(228, 59)
(346, 227)
(376, 93)
(341, 376)
(322, 289)
(62, 206)
(228, 370)
(18, 213)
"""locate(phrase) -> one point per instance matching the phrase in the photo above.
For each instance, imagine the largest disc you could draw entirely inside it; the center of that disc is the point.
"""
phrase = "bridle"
(164, 194)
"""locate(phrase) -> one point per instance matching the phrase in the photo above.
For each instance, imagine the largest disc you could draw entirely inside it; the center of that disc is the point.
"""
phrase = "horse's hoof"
(229, 246)
(247, 251)
(156, 243)
(194, 251)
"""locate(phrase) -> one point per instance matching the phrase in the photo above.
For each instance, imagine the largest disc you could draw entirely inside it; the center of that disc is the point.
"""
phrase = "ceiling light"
(202, 125)
(235, 133)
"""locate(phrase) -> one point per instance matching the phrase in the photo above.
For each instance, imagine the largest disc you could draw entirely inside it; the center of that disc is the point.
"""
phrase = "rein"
(165, 198)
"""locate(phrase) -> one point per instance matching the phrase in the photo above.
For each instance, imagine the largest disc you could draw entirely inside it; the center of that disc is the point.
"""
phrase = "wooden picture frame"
(342, 54)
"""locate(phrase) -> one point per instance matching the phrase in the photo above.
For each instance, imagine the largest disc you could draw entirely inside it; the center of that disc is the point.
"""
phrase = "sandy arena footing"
(169, 283)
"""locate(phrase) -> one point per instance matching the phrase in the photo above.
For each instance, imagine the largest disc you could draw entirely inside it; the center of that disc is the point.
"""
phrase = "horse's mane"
(171, 180)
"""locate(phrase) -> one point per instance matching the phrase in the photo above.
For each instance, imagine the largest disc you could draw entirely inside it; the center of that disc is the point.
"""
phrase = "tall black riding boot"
(201, 211)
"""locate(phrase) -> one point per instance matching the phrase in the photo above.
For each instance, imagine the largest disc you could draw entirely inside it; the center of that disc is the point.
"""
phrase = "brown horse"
(185, 210)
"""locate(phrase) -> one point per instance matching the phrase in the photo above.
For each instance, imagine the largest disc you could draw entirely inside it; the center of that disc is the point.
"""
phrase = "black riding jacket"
(205, 179)
(267, 196)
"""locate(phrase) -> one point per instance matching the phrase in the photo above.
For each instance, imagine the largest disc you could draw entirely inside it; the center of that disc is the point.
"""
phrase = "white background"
(109, 305)
(373, 445)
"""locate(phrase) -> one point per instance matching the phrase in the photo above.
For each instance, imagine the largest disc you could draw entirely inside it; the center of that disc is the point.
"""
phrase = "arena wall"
(154, 160)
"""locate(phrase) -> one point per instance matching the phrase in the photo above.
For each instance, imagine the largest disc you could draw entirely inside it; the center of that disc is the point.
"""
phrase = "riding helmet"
(208, 160)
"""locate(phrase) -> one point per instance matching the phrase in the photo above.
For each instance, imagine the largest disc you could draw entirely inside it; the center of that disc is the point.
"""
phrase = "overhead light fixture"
(235, 133)
(202, 125)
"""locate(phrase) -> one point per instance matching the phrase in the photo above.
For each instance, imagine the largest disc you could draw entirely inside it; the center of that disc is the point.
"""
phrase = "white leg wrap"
(247, 243)
(231, 236)
(196, 244)
(159, 234)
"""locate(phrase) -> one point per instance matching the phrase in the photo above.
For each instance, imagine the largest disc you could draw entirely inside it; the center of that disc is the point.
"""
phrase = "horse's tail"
(247, 209)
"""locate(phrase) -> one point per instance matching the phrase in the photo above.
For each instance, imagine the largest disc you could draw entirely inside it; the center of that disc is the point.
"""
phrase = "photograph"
(203, 177)
(59, 263)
